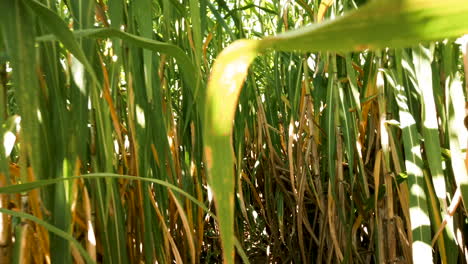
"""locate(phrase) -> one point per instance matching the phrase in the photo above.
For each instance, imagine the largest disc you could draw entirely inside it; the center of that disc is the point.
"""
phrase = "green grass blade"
(188, 68)
(220, 20)
(422, 58)
(330, 123)
(455, 117)
(51, 229)
(60, 29)
(196, 29)
(28, 186)
(223, 92)
(145, 27)
(379, 24)
(419, 214)
(18, 33)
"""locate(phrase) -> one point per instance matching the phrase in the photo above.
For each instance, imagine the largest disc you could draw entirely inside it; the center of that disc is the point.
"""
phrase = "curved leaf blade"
(52, 229)
(376, 25)
(380, 24)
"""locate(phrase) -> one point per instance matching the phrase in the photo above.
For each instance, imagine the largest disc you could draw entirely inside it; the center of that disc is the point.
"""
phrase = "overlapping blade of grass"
(375, 25)
(454, 89)
(28, 186)
(419, 214)
(456, 135)
(270, 158)
(18, 33)
(422, 59)
(145, 27)
(139, 123)
(196, 30)
(142, 136)
(349, 99)
(331, 116)
(424, 20)
(223, 92)
(386, 241)
(114, 227)
(188, 69)
(59, 28)
(66, 236)
(107, 192)
(19, 40)
(7, 131)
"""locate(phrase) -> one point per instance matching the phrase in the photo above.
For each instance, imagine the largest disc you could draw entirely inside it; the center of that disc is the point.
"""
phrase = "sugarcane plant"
(260, 131)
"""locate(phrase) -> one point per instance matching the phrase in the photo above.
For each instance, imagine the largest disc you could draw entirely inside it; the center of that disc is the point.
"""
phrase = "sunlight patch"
(39, 116)
(8, 142)
(406, 119)
(416, 190)
(232, 70)
(420, 250)
(418, 218)
(91, 236)
(8, 68)
(78, 74)
(210, 193)
(140, 115)
(411, 167)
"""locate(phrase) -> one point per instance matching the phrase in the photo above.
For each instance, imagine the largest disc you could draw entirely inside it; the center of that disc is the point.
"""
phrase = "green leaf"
(419, 212)
(28, 186)
(379, 24)
(51, 229)
(188, 68)
(60, 29)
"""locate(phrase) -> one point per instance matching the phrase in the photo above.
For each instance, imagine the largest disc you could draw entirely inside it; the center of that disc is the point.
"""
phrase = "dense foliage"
(121, 120)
